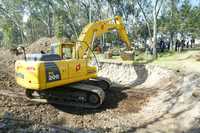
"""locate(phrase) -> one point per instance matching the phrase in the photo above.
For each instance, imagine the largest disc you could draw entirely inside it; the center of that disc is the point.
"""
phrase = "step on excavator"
(64, 75)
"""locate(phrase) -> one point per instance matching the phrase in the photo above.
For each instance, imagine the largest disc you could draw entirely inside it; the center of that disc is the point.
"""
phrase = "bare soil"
(119, 101)
(143, 98)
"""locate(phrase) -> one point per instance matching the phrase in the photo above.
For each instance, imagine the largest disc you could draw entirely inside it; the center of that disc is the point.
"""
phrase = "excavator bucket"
(127, 55)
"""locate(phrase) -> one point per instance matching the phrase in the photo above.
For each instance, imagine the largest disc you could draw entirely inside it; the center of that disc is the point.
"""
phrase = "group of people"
(179, 45)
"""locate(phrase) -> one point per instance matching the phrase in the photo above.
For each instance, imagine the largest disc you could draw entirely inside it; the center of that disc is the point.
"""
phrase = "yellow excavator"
(64, 75)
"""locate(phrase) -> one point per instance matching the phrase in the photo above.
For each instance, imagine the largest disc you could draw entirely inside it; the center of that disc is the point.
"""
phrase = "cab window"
(67, 53)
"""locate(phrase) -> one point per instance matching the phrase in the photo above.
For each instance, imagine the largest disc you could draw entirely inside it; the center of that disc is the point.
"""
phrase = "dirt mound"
(18, 107)
(197, 57)
(43, 44)
(7, 60)
(31, 115)
(8, 56)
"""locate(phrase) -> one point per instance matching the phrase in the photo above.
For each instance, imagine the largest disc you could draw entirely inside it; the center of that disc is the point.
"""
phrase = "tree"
(174, 23)
(183, 19)
(11, 15)
(59, 24)
(24, 21)
(155, 9)
(147, 20)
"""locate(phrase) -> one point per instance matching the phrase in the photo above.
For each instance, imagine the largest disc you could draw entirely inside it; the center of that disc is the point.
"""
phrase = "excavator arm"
(97, 29)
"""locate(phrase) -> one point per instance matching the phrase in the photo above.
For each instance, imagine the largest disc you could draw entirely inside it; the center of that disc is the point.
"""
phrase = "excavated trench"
(171, 99)
(143, 98)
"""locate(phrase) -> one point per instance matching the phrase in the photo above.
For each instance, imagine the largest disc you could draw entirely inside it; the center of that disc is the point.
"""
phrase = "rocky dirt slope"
(143, 98)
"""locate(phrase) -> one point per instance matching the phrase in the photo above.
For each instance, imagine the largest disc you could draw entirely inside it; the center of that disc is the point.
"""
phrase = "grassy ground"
(188, 60)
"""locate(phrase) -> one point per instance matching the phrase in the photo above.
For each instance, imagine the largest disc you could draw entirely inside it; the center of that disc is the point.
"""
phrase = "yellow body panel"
(38, 75)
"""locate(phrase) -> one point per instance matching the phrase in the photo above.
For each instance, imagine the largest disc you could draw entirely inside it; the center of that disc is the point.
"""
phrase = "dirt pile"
(8, 57)
(133, 75)
(43, 44)
(197, 57)
(18, 107)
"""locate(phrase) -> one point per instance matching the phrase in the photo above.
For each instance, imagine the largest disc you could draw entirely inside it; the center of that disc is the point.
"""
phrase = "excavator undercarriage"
(85, 94)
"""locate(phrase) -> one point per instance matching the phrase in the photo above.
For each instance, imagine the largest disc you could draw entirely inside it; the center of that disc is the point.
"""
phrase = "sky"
(194, 2)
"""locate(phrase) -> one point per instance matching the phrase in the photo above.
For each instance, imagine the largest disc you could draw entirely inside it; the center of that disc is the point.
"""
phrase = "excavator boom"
(97, 29)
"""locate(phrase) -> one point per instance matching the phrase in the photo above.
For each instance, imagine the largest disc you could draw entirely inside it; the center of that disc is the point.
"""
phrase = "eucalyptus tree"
(43, 11)
(180, 17)
(152, 11)
(156, 9)
(11, 13)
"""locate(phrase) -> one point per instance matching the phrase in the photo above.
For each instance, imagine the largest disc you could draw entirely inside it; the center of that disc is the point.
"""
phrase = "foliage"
(24, 21)
(184, 19)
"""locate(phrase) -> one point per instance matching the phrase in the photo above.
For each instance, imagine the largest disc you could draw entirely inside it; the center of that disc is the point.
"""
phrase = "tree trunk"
(50, 31)
(171, 41)
(70, 18)
(22, 38)
(31, 23)
(154, 32)
(146, 19)
(173, 3)
(49, 22)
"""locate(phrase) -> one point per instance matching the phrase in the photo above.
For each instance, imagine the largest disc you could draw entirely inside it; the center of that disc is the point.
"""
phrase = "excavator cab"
(65, 50)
